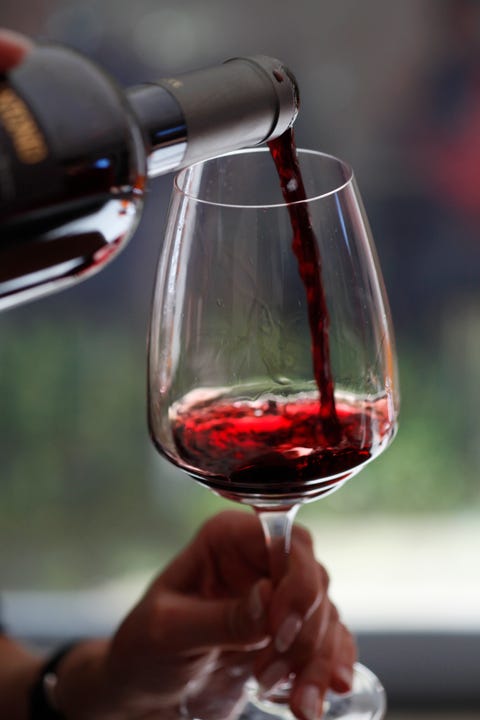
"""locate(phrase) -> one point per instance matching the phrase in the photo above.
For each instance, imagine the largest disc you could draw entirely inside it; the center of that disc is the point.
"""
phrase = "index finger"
(224, 559)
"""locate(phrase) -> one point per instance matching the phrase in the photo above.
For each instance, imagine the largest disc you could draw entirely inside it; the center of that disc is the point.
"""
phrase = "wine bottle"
(76, 152)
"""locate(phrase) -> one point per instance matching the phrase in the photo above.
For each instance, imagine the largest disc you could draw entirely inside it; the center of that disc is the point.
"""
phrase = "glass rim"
(257, 150)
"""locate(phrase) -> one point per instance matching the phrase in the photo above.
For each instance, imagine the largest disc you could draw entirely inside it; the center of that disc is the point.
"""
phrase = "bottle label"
(20, 125)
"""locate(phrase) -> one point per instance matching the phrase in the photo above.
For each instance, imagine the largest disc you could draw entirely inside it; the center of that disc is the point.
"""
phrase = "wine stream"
(305, 247)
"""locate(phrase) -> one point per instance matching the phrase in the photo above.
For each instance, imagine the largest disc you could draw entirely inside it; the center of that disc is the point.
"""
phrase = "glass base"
(366, 701)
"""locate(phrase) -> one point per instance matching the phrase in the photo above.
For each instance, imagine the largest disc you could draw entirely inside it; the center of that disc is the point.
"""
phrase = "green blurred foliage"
(84, 497)
(76, 495)
(433, 464)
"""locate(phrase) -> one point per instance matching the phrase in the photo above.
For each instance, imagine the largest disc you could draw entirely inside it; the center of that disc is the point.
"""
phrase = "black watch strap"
(41, 707)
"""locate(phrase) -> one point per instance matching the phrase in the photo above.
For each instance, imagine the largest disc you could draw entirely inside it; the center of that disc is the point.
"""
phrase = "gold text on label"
(22, 128)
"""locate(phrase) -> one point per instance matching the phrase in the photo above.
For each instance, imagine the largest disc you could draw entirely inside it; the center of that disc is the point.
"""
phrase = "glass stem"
(277, 528)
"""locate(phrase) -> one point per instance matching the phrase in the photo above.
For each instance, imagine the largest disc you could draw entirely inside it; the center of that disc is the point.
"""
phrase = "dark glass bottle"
(76, 152)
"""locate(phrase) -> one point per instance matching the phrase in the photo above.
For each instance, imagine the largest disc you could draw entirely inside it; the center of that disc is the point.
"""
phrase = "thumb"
(228, 624)
(247, 617)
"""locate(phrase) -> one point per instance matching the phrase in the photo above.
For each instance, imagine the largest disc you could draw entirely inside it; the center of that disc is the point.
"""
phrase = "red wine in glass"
(301, 446)
(276, 446)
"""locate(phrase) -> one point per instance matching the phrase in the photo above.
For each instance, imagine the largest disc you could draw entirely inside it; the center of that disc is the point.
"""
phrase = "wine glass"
(234, 397)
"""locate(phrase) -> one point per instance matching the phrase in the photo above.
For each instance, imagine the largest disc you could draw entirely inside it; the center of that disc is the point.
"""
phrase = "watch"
(42, 703)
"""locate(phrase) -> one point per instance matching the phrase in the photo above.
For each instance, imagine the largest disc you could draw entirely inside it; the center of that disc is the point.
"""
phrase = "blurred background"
(88, 512)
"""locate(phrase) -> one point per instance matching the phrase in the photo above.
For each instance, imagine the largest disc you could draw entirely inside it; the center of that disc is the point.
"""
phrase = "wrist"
(76, 685)
(82, 685)
(42, 705)
(19, 669)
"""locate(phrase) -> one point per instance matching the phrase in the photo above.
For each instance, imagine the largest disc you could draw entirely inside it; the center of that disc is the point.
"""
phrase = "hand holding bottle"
(13, 48)
(76, 151)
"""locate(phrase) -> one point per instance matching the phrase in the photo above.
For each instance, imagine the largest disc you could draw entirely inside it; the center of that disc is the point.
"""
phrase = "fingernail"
(255, 604)
(287, 632)
(273, 674)
(343, 678)
(310, 702)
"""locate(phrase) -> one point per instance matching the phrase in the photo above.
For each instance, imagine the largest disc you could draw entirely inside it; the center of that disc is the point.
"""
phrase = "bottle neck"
(242, 103)
(164, 127)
